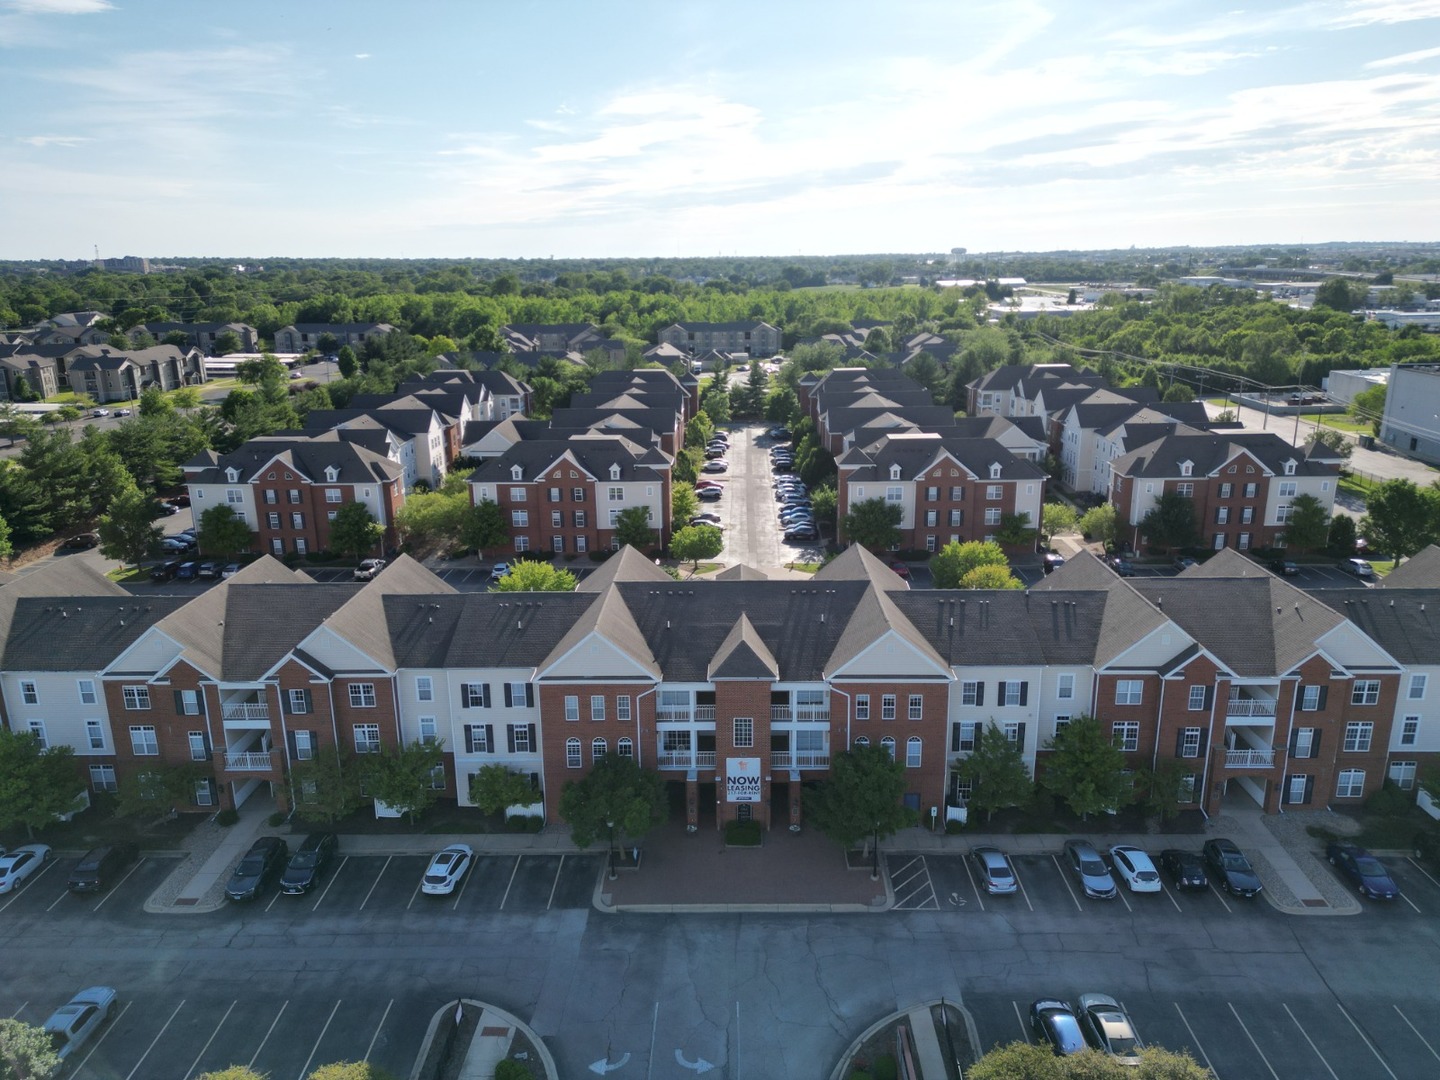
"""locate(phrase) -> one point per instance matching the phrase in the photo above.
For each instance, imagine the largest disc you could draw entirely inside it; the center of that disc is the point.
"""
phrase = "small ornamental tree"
(354, 530)
(36, 784)
(632, 526)
(990, 577)
(158, 789)
(527, 575)
(1309, 526)
(997, 772)
(874, 524)
(617, 796)
(223, 532)
(1015, 531)
(26, 1051)
(1171, 522)
(1056, 518)
(683, 503)
(1087, 769)
(484, 528)
(861, 799)
(404, 779)
(1101, 524)
(495, 787)
(696, 542)
(326, 788)
(955, 560)
(351, 1070)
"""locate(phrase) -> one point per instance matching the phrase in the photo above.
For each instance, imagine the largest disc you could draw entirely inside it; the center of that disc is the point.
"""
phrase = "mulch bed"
(444, 817)
(882, 1044)
(446, 1056)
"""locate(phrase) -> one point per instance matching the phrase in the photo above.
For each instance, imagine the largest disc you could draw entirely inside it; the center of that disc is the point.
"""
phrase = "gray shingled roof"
(307, 455)
(79, 633)
(743, 655)
(264, 622)
(1208, 452)
(1404, 622)
(361, 618)
(969, 628)
(917, 453)
(627, 564)
(481, 630)
(1420, 571)
(62, 577)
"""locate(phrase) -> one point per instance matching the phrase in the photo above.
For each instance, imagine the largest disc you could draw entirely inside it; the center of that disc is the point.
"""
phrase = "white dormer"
(332, 473)
(894, 472)
(232, 474)
(614, 472)
(994, 470)
(516, 472)
(1289, 466)
(1187, 468)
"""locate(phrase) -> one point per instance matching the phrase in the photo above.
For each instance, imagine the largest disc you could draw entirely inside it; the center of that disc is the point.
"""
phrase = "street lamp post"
(875, 854)
(610, 851)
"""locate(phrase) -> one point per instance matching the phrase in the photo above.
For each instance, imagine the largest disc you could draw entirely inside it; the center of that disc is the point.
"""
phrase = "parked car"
(782, 467)
(1186, 868)
(20, 863)
(231, 569)
(180, 500)
(82, 541)
(1121, 565)
(714, 453)
(800, 534)
(308, 863)
(1284, 567)
(1363, 870)
(717, 465)
(1427, 847)
(165, 571)
(778, 433)
(1183, 563)
(901, 569)
(368, 568)
(1231, 869)
(446, 868)
(997, 875)
(1135, 868)
(1085, 862)
(709, 494)
(73, 1024)
(264, 862)
(1358, 567)
(1108, 1029)
(1054, 1023)
(1052, 561)
(166, 509)
(122, 412)
(701, 485)
(98, 413)
(209, 571)
(499, 570)
(705, 519)
(101, 867)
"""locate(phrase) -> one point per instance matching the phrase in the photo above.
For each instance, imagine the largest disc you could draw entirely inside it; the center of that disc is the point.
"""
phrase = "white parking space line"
(18, 1011)
(378, 1028)
(306, 1070)
(110, 1025)
(1366, 1039)
(278, 893)
(1422, 870)
(1194, 1040)
(1064, 880)
(1171, 897)
(57, 900)
(1309, 1040)
(1123, 899)
(915, 871)
(115, 888)
(1220, 897)
(1020, 1019)
(375, 882)
(269, 1031)
(555, 884)
(1411, 1026)
(1023, 893)
(979, 899)
(196, 1063)
(416, 893)
(1253, 1043)
(326, 891)
(1411, 903)
(511, 883)
(130, 1075)
(460, 892)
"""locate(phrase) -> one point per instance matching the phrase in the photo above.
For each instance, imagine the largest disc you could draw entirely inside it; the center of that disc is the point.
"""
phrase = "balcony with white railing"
(1248, 707)
(685, 714)
(249, 760)
(685, 759)
(1250, 758)
(784, 714)
(784, 759)
(245, 710)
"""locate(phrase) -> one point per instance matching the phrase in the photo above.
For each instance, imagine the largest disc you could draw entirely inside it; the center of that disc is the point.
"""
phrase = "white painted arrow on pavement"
(700, 1065)
(603, 1066)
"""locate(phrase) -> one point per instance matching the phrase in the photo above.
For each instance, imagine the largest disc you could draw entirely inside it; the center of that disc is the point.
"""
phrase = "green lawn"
(1356, 486)
(1343, 422)
(122, 574)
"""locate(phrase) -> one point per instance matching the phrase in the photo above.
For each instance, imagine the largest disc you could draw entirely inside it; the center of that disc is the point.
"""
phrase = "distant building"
(752, 338)
(1342, 386)
(1411, 423)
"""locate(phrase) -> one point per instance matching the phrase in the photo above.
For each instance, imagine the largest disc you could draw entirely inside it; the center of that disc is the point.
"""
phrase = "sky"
(570, 128)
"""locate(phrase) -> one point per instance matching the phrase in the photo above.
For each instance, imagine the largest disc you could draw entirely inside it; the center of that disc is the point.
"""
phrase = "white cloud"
(54, 140)
(362, 56)
(1367, 12)
(1404, 58)
(59, 7)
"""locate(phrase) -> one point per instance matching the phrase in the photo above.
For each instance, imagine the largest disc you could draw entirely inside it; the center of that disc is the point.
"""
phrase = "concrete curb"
(541, 1049)
(971, 1032)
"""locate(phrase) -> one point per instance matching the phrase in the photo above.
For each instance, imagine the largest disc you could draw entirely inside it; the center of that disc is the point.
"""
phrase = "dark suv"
(308, 863)
(261, 864)
(100, 868)
(1229, 867)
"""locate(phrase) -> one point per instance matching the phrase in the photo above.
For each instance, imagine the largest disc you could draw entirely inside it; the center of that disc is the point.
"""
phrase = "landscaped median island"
(942, 1026)
(472, 1039)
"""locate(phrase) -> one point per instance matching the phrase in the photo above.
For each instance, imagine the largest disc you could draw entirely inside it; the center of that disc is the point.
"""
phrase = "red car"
(901, 569)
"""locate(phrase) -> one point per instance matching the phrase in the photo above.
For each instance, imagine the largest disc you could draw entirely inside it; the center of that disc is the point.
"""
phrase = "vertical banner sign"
(742, 779)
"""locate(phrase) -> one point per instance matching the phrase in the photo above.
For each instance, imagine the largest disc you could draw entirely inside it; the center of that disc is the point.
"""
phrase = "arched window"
(625, 748)
(912, 752)
(597, 749)
(572, 753)
(889, 744)
(862, 741)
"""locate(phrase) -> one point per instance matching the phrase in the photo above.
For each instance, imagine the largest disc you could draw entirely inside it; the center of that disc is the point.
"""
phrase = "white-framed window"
(367, 738)
(1365, 692)
(1226, 490)
(522, 544)
(297, 520)
(1402, 773)
(517, 494)
(234, 496)
(572, 753)
(102, 778)
(598, 749)
(744, 732)
(188, 702)
(862, 706)
(300, 702)
(304, 745)
(912, 752)
(135, 697)
(994, 492)
(424, 688)
(1013, 730)
(1247, 515)
(362, 695)
(557, 519)
(1061, 723)
(1196, 702)
(992, 515)
(615, 494)
(557, 544)
(1416, 690)
(1187, 788)
(29, 692)
(888, 745)
(622, 708)
(597, 706)
(87, 691)
(277, 545)
(887, 707)
(957, 494)
(916, 707)
(932, 518)
(1358, 735)
(37, 728)
(1126, 734)
(1310, 698)
(437, 777)
(1243, 541)
(429, 730)
(1190, 742)
(1409, 730)
(477, 739)
(1129, 691)
(572, 706)
(273, 519)
(1304, 743)
(577, 494)
(625, 748)
(1351, 784)
(1012, 693)
(1065, 687)
(970, 693)
(198, 751)
(520, 519)
(520, 738)
(1222, 515)
(95, 734)
(957, 518)
(142, 741)
(1186, 489)
(1287, 489)
(332, 495)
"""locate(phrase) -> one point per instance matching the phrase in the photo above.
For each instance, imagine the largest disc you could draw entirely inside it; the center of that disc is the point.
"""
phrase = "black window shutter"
(308, 706)
(1024, 693)
(485, 695)
(179, 703)
(1324, 693)
(490, 738)
(1294, 738)
(469, 739)
(1204, 740)
(1315, 742)
(954, 738)
(508, 702)
(290, 742)
(1179, 742)
(534, 744)
(1209, 698)
(1020, 734)
(1309, 788)
(979, 693)
(510, 737)
(529, 696)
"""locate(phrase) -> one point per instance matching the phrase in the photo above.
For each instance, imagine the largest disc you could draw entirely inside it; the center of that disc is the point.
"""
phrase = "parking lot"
(748, 510)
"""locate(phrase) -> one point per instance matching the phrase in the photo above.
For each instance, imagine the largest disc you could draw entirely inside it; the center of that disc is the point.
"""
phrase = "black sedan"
(1363, 870)
(1054, 1023)
(263, 862)
(309, 863)
(1231, 869)
(1186, 869)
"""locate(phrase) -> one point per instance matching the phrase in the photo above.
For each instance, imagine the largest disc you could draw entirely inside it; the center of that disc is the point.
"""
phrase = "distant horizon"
(456, 130)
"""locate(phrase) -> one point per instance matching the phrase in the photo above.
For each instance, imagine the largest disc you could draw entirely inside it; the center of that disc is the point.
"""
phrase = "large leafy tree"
(484, 527)
(1024, 1061)
(1087, 769)
(1056, 518)
(861, 799)
(1309, 526)
(1401, 518)
(1015, 531)
(403, 779)
(26, 1051)
(223, 532)
(326, 787)
(36, 784)
(1171, 522)
(354, 530)
(494, 787)
(990, 577)
(128, 533)
(997, 772)
(1101, 524)
(632, 526)
(159, 788)
(618, 791)
(528, 575)
(696, 542)
(874, 523)
(683, 503)
(950, 565)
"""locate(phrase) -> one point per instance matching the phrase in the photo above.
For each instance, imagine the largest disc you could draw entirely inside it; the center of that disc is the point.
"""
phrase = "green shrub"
(742, 833)
(954, 828)
(511, 1070)
(885, 1068)
(227, 817)
(276, 819)
(1319, 832)
(524, 823)
(1390, 800)
(600, 556)
(859, 1074)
